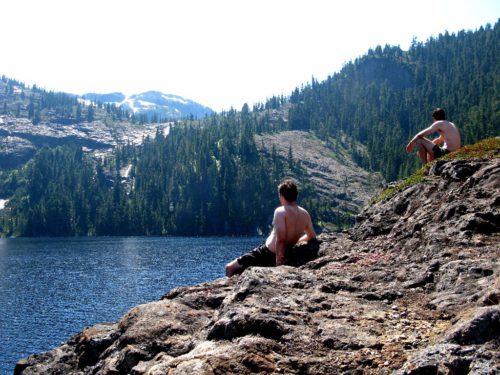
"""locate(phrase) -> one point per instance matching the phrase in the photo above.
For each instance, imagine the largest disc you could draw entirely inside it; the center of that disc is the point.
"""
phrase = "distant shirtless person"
(449, 137)
(291, 225)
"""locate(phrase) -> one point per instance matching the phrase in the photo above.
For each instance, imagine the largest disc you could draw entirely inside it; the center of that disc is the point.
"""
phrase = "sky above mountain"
(220, 53)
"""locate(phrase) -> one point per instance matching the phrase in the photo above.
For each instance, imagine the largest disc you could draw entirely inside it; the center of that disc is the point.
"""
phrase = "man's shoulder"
(303, 210)
(279, 210)
(282, 210)
(437, 124)
(442, 124)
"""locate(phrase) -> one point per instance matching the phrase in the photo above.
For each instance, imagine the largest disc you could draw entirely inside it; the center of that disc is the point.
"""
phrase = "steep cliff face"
(413, 288)
(332, 172)
(19, 137)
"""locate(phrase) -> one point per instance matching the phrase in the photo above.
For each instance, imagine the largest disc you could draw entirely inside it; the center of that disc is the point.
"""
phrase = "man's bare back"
(297, 222)
(291, 225)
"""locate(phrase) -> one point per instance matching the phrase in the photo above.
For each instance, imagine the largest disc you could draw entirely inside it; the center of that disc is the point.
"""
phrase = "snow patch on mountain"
(175, 99)
(144, 104)
(3, 202)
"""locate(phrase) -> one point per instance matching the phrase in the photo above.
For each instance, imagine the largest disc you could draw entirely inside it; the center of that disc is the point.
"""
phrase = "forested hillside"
(211, 176)
(37, 104)
(197, 180)
(383, 98)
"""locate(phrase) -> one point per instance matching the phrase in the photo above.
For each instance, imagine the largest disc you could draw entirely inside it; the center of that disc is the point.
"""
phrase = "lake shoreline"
(53, 287)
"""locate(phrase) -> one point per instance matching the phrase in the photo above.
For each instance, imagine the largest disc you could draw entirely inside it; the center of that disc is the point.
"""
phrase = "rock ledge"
(412, 289)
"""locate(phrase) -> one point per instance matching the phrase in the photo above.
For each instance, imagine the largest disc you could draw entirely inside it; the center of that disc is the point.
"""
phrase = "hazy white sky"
(221, 53)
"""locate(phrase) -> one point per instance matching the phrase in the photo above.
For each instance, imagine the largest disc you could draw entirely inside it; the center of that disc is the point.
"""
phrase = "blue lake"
(52, 288)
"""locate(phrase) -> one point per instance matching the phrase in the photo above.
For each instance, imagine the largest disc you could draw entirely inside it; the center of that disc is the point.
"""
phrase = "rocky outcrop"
(413, 288)
(334, 175)
(15, 151)
(19, 137)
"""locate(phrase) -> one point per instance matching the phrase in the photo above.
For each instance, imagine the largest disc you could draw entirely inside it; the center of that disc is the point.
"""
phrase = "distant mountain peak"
(151, 103)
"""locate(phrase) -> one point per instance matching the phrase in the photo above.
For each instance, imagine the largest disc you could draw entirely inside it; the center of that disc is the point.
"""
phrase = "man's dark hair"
(439, 114)
(288, 189)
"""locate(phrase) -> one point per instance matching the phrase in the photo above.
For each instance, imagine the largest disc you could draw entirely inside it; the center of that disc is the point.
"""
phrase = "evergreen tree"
(90, 113)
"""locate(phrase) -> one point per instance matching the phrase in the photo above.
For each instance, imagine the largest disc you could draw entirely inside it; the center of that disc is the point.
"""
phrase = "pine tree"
(90, 113)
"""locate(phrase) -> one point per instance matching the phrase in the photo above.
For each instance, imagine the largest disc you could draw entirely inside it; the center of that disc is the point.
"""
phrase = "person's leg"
(261, 256)
(424, 150)
(233, 268)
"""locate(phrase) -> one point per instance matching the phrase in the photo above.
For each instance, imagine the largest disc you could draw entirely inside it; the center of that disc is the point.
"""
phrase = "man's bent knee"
(229, 271)
(233, 268)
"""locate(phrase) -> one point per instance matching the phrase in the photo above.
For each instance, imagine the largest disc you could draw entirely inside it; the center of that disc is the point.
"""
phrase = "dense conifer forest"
(383, 98)
(207, 176)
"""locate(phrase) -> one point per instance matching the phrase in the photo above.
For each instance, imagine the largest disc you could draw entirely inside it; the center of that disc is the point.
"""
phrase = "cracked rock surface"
(19, 137)
(413, 288)
(334, 175)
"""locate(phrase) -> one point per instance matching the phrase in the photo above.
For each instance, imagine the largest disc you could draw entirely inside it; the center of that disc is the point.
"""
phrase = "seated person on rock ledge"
(291, 225)
(429, 150)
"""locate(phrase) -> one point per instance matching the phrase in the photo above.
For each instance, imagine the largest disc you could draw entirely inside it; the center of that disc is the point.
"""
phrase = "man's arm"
(280, 231)
(439, 141)
(431, 129)
(309, 232)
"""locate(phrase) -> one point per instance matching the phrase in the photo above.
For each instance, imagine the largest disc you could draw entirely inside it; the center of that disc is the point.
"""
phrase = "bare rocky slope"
(19, 137)
(334, 175)
(413, 288)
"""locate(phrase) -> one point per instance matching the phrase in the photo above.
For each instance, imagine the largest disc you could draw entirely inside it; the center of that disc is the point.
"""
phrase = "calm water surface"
(52, 288)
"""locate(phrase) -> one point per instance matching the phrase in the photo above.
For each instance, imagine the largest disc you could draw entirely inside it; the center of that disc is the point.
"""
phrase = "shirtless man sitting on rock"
(291, 225)
(449, 137)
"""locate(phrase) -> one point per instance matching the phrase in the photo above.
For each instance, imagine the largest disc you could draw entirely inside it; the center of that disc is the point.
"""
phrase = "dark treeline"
(205, 180)
(383, 98)
(37, 104)
(208, 177)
